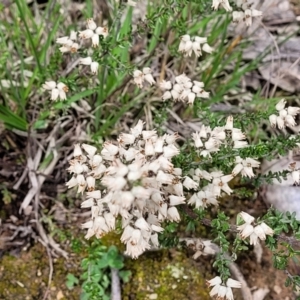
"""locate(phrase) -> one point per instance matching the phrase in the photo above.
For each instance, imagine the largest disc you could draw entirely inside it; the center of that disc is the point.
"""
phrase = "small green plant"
(96, 271)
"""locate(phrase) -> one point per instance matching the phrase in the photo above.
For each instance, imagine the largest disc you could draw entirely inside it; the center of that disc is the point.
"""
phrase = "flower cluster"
(217, 182)
(68, 43)
(223, 290)
(89, 62)
(189, 45)
(140, 76)
(245, 14)
(58, 90)
(93, 32)
(209, 140)
(140, 184)
(286, 116)
(200, 247)
(245, 166)
(183, 89)
(254, 232)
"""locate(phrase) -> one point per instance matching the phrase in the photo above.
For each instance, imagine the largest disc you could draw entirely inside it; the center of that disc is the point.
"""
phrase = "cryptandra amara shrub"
(133, 183)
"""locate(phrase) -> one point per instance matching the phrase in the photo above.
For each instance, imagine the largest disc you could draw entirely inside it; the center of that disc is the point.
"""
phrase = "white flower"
(221, 184)
(166, 85)
(197, 140)
(176, 200)
(245, 166)
(148, 76)
(229, 123)
(240, 144)
(224, 3)
(246, 217)
(93, 32)
(296, 176)
(58, 90)
(280, 105)
(206, 48)
(273, 120)
(140, 76)
(249, 13)
(173, 214)
(293, 111)
(237, 16)
(91, 150)
(223, 291)
(189, 183)
(94, 67)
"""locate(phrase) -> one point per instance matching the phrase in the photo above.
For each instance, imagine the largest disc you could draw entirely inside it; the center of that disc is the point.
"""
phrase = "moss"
(26, 277)
(165, 275)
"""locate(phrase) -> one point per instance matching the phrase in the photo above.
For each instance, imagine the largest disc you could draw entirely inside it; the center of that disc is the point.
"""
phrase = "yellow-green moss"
(165, 275)
(26, 277)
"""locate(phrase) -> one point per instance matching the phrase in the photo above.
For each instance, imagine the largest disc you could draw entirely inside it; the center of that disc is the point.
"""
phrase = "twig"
(115, 285)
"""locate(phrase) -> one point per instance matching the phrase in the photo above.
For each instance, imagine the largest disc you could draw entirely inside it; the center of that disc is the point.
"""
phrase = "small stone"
(153, 296)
